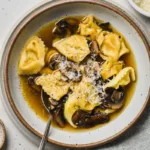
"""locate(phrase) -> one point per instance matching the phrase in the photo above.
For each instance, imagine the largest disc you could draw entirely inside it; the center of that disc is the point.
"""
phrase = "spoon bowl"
(45, 101)
(46, 104)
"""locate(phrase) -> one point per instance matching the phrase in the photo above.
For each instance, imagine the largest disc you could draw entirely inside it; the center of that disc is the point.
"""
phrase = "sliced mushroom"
(92, 70)
(53, 102)
(94, 49)
(105, 26)
(48, 102)
(45, 101)
(70, 70)
(85, 119)
(54, 61)
(31, 83)
(58, 113)
(59, 117)
(114, 99)
(72, 74)
(55, 108)
(65, 27)
(65, 97)
(52, 107)
(62, 29)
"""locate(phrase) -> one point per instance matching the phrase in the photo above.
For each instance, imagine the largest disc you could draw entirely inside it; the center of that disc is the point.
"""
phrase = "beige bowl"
(44, 13)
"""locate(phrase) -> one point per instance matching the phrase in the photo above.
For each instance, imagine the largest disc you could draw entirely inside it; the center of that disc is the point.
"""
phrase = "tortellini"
(88, 27)
(123, 49)
(74, 48)
(32, 57)
(111, 68)
(111, 46)
(86, 99)
(123, 78)
(82, 71)
(53, 85)
(46, 70)
(101, 37)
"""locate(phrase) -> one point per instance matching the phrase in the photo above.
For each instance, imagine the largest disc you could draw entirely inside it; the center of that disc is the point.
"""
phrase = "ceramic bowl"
(2, 134)
(47, 12)
(140, 10)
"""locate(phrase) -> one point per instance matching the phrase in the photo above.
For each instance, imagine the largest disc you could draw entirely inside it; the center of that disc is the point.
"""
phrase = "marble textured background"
(136, 138)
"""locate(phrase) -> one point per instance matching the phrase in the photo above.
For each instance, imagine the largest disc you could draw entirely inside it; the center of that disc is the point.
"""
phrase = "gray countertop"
(136, 138)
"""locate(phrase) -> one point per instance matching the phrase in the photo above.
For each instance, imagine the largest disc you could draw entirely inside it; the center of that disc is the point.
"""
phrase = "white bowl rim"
(33, 13)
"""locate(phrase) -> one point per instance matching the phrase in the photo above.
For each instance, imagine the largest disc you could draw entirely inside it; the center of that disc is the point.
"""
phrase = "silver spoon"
(45, 102)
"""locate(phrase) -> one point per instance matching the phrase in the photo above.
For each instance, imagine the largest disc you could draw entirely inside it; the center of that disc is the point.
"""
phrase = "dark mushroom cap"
(53, 102)
(115, 98)
(59, 117)
(105, 26)
(70, 70)
(55, 108)
(85, 119)
(93, 45)
(32, 84)
(54, 61)
(65, 27)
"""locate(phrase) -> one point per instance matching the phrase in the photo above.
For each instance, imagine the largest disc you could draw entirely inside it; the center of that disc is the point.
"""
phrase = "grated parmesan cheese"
(144, 4)
(92, 70)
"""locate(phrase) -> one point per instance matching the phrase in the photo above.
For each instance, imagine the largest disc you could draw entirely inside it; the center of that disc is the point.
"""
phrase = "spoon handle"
(44, 138)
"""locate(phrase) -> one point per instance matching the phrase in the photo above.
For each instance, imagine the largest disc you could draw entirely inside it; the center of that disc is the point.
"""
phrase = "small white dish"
(137, 8)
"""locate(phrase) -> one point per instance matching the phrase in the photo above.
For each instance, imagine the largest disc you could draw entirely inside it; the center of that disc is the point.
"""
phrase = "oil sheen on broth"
(34, 101)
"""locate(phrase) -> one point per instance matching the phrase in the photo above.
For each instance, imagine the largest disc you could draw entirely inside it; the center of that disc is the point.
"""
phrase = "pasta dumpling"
(32, 57)
(101, 37)
(81, 74)
(111, 46)
(111, 68)
(124, 77)
(53, 85)
(74, 48)
(46, 70)
(123, 49)
(86, 99)
(88, 27)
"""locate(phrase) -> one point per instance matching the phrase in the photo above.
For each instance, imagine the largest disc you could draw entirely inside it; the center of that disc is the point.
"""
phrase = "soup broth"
(33, 98)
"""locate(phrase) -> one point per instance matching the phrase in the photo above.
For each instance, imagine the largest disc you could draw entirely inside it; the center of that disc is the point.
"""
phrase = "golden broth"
(34, 101)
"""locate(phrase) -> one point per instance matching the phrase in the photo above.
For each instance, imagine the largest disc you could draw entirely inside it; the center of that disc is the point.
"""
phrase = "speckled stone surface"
(136, 138)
